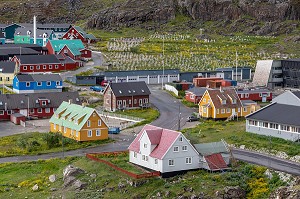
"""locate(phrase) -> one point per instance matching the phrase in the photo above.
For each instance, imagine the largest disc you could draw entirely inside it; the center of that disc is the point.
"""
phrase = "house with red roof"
(163, 150)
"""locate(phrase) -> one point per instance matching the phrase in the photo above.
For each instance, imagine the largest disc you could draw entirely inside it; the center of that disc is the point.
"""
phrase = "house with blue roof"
(8, 30)
(37, 83)
(26, 36)
(75, 49)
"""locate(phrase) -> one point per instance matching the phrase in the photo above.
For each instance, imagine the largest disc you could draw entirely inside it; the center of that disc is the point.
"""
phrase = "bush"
(51, 139)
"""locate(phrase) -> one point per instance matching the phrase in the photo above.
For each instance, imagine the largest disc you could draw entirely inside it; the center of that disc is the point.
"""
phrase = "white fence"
(119, 116)
(172, 89)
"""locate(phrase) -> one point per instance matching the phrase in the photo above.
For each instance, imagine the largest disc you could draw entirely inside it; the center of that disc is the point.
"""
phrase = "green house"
(9, 30)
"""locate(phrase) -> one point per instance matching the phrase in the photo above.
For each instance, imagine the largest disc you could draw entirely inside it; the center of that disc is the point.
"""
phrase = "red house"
(202, 81)
(38, 63)
(75, 32)
(37, 105)
(262, 95)
(126, 95)
(195, 94)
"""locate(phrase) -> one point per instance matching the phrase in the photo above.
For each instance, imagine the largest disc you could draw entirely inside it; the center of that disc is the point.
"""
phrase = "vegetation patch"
(39, 143)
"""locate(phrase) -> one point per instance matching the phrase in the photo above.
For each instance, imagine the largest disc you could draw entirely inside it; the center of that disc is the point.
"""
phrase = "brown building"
(126, 95)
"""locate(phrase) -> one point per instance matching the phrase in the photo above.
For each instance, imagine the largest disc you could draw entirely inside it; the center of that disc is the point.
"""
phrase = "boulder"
(52, 178)
(78, 184)
(71, 170)
(93, 175)
(231, 193)
(35, 187)
(69, 180)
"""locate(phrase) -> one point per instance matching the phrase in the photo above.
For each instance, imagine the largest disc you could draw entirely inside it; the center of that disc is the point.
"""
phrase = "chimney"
(34, 29)
(70, 101)
(221, 90)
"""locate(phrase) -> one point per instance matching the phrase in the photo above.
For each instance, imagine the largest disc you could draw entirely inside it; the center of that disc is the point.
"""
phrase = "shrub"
(51, 139)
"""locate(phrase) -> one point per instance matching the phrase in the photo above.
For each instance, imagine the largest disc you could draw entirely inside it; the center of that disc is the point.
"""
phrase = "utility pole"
(163, 63)
(179, 116)
(236, 64)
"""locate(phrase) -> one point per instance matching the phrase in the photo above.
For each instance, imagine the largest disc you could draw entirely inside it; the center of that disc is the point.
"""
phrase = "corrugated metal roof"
(57, 45)
(39, 77)
(211, 148)
(38, 59)
(129, 89)
(39, 33)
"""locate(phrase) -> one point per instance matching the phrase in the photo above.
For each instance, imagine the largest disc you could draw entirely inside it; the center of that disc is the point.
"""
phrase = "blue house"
(37, 83)
(2, 38)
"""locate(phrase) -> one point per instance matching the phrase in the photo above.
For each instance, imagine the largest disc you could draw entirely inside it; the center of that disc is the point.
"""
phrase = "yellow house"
(8, 71)
(222, 104)
(78, 122)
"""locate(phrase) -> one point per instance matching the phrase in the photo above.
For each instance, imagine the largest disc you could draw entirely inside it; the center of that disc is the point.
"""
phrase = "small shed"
(16, 118)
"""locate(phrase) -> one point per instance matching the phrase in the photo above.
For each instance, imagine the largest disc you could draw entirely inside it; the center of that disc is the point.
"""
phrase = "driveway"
(171, 110)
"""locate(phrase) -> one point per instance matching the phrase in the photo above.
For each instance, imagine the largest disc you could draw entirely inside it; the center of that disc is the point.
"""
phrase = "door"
(233, 111)
(264, 98)
(23, 112)
(124, 103)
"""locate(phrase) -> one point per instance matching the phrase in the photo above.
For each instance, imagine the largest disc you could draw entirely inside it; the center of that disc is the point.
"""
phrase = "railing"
(172, 89)
(118, 116)
(91, 156)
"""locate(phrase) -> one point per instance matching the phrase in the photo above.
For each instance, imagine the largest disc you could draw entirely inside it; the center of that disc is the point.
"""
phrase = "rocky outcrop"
(231, 193)
(285, 193)
(137, 12)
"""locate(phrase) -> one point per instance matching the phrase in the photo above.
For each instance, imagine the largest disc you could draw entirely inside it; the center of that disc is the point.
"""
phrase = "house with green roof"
(78, 122)
(74, 49)
(75, 32)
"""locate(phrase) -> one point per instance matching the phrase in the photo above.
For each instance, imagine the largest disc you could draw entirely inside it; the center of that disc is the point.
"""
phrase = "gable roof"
(72, 112)
(253, 91)
(226, 94)
(7, 67)
(278, 113)
(75, 51)
(211, 148)
(83, 33)
(167, 138)
(14, 101)
(39, 33)
(57, 45)
(38, 77)
(4, 51)
(38, 59)
(198, 91)
(296, 93)
(54, 25)
(154, 135)
(129, 88)
(216, 162)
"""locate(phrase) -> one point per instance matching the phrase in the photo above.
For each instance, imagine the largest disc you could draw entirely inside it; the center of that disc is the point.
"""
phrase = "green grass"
(34, 143)
(148, 114)
(234, 132)
(19, 178)
(85, 73)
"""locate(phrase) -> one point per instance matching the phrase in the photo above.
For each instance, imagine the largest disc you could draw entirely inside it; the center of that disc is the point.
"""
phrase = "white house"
(163, 150)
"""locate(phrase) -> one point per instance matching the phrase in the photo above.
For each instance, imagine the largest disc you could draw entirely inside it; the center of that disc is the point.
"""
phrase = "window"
(192, 96)
(31, 67)
(9, 112)
(176, 149)
(247, 95)
(54, 126)
(1, 112)
(245, 109)
(171, 162)
(223, 101)
(90, 133)
(156, 161)
(143, 157)
(24, 67)
(50, 66)
(40, 110)
(135, 154)
(38, 67)
(44, 103)
(99, 122)
(27, 84)
(129, 102)
(135, 101)
(204, 110)
(140, 101)
(180, 139)
(204, 100)
(145, 145)
(184, 148)
(57, 83)
(188, 160)
(44, 66)
(72, 132)
(88, 123)
(31, 110)
(146, 158)
(222, 111)
(7, 78)
(56, 66)
(47, 110)
(98, 132)
(228, 110)
(48, 83)
(77, 132)
(234, 101)
(39, 83)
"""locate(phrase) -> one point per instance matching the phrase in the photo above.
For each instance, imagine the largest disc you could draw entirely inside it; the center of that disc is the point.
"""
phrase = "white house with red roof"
(163, 150)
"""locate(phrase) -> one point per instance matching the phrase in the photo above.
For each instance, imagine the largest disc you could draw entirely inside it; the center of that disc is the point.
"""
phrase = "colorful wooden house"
(75, 49)
(78, 122)
(9, 30)
(126, 95)
(195, 94)
(37, 83)
(25, 36)
(255, 94)
(35, 105)
(2, 38)
(59, 29)
(8, 71)
(222, 104)
(75, 32)
(38, 63)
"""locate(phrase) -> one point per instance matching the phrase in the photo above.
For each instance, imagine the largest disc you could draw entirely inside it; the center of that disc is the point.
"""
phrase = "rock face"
(136, 12)
(231, 193)
(69, 177)
(285, 193)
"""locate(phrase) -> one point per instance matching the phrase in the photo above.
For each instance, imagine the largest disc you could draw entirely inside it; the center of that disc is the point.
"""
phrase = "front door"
(23, 112)
(233, 111)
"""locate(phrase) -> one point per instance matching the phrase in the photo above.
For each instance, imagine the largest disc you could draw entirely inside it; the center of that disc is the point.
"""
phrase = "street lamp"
(163, 59)
(179, 114)
(62, 139)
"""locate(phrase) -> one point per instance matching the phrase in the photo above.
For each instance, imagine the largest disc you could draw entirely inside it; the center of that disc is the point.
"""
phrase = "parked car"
(97, 88)
(192, 118)
(114, 130)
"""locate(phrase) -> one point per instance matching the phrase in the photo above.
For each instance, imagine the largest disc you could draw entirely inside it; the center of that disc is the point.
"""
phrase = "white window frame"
(180, 139)
(184, 148)
(155, 161)
(54, 126)
(50, 66)
(39, 83)
(77, 133)
(31, 67)
(44, 103)
(177, 149)
(47, 110)
(171, 162)
(24, 67)
(222, 111)
(145, 145)
(90, 133)
(56, 66)
(38, 67)
(65, 129)
(88, 123)
(44, 67)
(39, 110)
(27, 84)
(99, 122)
(98, 132)
(135, 154)
(48, 83)
(1, 112)
(57, 83)
(228, 110)
(9, 112)
(188, 160)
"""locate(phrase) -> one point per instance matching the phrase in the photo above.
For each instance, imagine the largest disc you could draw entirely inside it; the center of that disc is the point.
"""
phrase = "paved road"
(267, 160)
(169, 107)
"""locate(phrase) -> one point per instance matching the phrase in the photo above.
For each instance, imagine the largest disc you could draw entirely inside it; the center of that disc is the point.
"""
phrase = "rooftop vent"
(120, 91)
